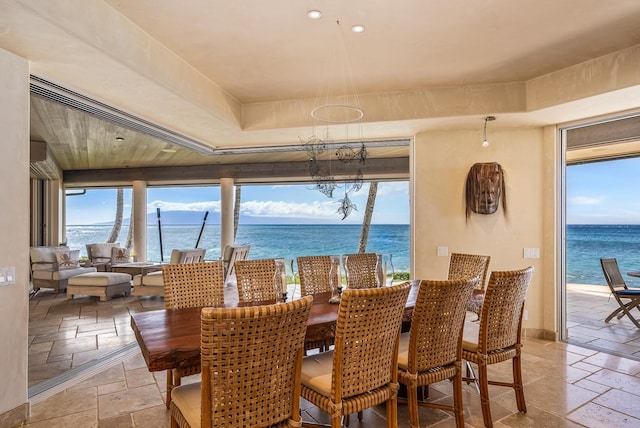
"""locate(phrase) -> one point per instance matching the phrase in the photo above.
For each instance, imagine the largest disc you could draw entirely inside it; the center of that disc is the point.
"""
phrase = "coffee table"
(136, 268)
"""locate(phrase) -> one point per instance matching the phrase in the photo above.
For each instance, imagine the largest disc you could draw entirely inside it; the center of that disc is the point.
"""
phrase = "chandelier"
(337, 110)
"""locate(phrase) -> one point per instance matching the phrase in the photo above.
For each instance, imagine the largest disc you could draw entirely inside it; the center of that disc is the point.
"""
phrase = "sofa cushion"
(68, 259)
(101, 252)
(100, 279)
(120, 255)
(153, 279)
(44, 258)
(57, 275)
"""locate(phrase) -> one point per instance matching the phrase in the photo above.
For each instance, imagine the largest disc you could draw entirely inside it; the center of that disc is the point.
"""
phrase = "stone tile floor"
(565, 385)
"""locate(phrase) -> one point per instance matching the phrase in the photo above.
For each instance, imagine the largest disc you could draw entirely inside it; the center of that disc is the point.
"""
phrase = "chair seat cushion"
(188, 400)
(316, 372)
(58, 275)
(153, 279)
(470, 336)
(403, 351)
(100, 279)
(628, 293)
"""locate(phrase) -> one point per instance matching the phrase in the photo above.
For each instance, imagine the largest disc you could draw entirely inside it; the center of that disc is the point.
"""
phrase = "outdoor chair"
(468, 265)
(363, 270)
(362, 369)
(497, 337)
(620, 291)
(246, 382)
(99, 254)
(230, 254)
(190, 285)
(315, 272)
(255, 280)
(432, 350)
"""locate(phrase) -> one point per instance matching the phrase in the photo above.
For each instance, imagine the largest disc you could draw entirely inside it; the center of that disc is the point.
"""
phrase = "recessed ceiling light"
(314, 14)
(169, 150)
(119, 138)
(357, 28)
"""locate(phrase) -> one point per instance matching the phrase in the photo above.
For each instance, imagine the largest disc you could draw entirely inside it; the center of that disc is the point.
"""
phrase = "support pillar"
(226, 212)
(139, 220)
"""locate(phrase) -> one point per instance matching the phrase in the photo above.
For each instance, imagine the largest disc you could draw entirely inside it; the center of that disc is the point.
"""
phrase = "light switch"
(443, 251)
(532, 253)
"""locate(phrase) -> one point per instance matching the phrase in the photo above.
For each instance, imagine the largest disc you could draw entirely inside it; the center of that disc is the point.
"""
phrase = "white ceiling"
(205, 67)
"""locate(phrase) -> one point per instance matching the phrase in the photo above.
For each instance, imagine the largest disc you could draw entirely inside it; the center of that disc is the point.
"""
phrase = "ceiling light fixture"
(314, 14)
(358, 28)
(119, 139)
(337, 110)
(485, 142)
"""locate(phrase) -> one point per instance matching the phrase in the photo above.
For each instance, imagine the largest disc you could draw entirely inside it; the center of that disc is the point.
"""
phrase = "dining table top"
(170, 338)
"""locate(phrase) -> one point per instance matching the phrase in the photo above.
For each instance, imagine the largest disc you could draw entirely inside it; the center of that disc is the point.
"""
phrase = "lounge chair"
(230, 255)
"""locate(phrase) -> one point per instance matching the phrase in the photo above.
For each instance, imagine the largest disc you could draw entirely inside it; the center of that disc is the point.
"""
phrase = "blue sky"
(277, 201)
(604, 192)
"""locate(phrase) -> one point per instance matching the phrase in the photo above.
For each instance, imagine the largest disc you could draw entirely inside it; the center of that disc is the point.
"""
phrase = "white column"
(226, 212)
(139, 220)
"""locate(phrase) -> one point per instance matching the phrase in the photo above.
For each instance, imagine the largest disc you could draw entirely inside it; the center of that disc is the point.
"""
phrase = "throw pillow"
(68, 259)
(120, 255)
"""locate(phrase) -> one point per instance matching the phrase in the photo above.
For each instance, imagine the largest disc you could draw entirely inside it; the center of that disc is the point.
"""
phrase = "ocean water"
(586, 244)
(286, 241)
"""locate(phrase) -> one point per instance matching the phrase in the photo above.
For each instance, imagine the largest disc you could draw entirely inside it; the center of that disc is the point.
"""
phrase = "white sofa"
(152, 284)
(46, 271)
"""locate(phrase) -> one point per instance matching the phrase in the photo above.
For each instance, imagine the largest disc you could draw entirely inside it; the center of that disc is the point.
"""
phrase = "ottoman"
(100, 284)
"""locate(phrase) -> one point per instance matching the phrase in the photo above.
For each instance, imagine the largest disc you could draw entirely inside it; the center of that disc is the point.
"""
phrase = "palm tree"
(366, 221)
(236, 212)
(117, 224)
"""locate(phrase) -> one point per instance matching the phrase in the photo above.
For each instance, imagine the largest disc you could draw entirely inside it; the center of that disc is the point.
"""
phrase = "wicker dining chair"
(432, 350)
(468, 265)
(620, 291)
(362, 270)
(251, 359)
(362, 369)
(189, 285)
(255, 280)
(315, 272)
(497, 337)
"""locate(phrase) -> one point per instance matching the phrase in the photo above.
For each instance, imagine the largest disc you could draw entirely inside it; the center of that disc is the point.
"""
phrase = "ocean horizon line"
(252, 224)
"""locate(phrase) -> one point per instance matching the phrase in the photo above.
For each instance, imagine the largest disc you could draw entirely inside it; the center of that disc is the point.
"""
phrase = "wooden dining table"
(170, 338)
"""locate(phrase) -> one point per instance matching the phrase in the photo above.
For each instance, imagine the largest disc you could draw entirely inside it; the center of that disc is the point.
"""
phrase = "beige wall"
(14, 239)
(441, 161)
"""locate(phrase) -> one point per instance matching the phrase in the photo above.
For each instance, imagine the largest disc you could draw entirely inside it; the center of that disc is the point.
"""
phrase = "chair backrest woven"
(314, 274)
(468, 265)
(366, 339)
(501, 314)
(193, 284)
(361, 270)
(612, 274)
(255, 280)
(436, 326)
(249, 382)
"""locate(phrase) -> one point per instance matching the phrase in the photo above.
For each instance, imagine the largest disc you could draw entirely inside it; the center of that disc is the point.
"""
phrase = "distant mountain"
(196, 217)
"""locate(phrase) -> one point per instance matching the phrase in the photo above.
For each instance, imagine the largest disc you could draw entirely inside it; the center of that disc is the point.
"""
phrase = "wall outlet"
(532, 253)
(443, 251)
